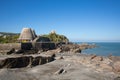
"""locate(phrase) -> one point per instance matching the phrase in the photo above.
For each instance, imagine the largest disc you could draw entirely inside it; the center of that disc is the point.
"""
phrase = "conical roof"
(27, 34)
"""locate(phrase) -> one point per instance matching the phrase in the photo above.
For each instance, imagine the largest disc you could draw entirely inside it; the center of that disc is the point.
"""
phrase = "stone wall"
(44, 46)
(26, 46)
(38, 46)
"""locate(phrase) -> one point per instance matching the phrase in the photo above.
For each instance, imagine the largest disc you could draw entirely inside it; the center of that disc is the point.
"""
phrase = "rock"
(2, 63)
(93, 56)
(59, 58)
(116, 66)
(19, 51)
(78, 50)
(11, 51)
(40, 51)
(58, 50)
(117, 78)
(15, 62)
(106, 67)
(114, 58)
(37, 61)
(65, 49)
(60, 71)
(54, 51)
(70, 48)
(24, 61)
(97, 58)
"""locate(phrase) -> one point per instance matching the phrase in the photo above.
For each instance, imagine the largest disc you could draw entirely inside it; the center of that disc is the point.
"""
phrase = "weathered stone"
(58, 50)
(17, 62)
(25, 61)
(26, 46)
(93, 56)
(106, 67)
(19, 51)
(116, 66)
(36, 61)
(45, 46)
(2, 63)
(54, 51)
(78, 50)
(60, 71)
(97, 58)
(58, 58)
(117, 78)
(11, 51)
(40, 51)
(114, 58)
(65, 49)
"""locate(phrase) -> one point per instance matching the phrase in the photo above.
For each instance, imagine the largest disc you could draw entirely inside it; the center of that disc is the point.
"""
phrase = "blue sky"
(79, 20)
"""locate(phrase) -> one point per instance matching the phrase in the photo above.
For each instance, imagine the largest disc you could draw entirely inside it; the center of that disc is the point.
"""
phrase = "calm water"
(105, 49)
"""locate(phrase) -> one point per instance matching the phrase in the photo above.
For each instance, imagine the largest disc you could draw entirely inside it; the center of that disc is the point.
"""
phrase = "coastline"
(105, 49)
(66, 65)
(75, 67)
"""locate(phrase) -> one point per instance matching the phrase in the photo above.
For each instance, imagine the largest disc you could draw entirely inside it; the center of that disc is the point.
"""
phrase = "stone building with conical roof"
(27, 35)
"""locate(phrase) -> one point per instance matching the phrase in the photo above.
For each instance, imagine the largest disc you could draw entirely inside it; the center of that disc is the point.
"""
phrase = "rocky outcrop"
(37, 48)
(74, 48)
(116, 66)
(70, 48)
(96, 58)
(115, 63)
(21, 51)
(86, 46)
(106, 67)
(25, 61)
(98, 63)
(117, 78)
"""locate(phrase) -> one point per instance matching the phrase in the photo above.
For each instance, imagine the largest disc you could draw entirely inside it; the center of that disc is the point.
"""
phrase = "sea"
(103, 48)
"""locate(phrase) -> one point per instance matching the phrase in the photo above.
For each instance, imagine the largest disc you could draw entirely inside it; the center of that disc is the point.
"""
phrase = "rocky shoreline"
(66, 62)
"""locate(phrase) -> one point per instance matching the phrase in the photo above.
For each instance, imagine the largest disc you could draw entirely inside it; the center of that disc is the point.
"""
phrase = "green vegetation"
(8, 37)
(13, 37)
(56, 37)
(8, 33)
